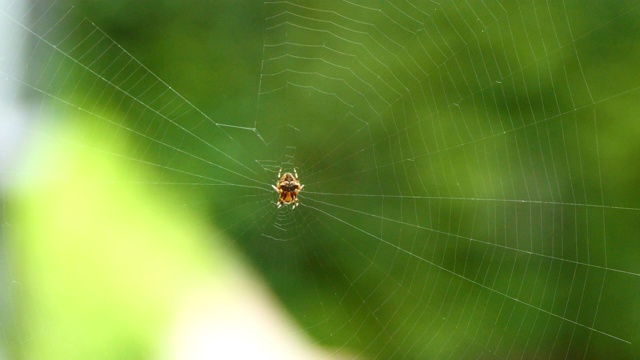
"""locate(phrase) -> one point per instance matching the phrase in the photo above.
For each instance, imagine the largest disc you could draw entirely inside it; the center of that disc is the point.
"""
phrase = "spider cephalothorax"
(288, 186)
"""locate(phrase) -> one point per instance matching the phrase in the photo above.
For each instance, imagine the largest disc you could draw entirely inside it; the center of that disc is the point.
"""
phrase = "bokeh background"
(470, 170)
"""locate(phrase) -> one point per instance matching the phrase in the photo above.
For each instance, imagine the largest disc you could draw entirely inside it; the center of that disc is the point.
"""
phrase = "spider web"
(467, 188)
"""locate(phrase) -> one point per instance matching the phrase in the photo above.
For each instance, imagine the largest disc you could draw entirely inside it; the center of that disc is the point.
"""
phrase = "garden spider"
(288, 186)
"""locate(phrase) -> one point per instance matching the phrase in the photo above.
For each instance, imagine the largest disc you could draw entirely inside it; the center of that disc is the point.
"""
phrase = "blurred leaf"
(104, 259)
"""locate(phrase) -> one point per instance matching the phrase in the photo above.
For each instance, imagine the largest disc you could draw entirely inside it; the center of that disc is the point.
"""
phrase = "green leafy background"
(531, 107)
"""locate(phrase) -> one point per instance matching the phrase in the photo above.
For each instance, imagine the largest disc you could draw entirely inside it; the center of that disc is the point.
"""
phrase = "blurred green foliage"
(469, 138)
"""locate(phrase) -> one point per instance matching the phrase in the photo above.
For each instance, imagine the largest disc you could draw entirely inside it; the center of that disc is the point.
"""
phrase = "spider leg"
(295, 172)
(279, 173)
(301, 186)
(275, 188)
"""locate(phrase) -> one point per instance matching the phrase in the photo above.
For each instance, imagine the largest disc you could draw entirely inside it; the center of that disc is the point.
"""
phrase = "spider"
(288, 186)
